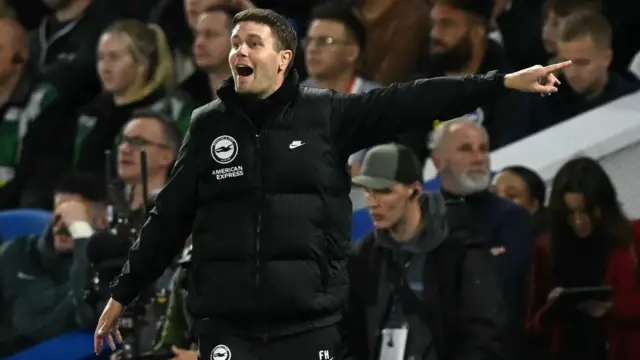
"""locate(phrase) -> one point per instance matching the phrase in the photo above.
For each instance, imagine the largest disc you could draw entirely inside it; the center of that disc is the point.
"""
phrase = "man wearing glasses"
(334, 42)
(158, 135)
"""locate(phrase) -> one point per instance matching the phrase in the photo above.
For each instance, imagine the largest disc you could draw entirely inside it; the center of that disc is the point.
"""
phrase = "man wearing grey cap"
(417, 292)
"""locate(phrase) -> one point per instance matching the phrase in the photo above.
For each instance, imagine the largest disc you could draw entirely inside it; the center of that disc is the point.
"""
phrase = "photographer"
(43, 278)
(107, 250)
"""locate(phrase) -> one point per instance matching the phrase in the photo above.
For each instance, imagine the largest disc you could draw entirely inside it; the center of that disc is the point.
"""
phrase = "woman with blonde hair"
(136, 71)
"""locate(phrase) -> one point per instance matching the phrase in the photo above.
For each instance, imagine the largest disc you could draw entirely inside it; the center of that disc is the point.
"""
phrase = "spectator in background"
(460, 152)
(333, 46)
(171, 16)
(157, 134)
(107, 250)
(397, 34)
(36, 134)
(591, 243)
(414, 275)
(43, 277)
(460, 46)
(520, 24)
(555, 12)
(585, 38)
(63, 46)
(136, 71)
(526, 188)
(210, 51)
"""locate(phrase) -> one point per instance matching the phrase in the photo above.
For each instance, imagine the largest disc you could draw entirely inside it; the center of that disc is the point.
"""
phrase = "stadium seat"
(15, 223)
(71, 346)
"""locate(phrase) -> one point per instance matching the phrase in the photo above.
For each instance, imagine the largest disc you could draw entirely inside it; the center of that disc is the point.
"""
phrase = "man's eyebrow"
(250, 36)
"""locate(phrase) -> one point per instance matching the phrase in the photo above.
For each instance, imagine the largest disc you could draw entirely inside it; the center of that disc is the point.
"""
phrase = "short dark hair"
(587, 23)
(479, 12)
(170, 131)
(285, 36)
(564, 8)
(230, 11)
(343, 13)
(536, 186)
(87, 185)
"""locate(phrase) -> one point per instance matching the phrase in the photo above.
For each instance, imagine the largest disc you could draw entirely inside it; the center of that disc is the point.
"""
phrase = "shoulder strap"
(438, 212)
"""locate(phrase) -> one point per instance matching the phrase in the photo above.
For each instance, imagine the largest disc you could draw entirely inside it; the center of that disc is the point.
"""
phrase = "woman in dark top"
(587, 226)
(136, 71)
(526, 188)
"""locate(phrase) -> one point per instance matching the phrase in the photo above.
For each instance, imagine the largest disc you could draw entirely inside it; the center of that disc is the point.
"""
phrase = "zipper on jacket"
(259, 219)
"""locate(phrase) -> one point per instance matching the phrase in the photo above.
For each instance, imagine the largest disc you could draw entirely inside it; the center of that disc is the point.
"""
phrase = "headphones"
(414, 194)
(17, 59)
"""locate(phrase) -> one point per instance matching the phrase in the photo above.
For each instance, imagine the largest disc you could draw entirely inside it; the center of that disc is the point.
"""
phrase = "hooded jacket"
(41, 291)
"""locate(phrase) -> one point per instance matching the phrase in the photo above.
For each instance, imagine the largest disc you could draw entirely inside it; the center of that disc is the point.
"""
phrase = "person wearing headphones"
(36, 131)
(416, 285)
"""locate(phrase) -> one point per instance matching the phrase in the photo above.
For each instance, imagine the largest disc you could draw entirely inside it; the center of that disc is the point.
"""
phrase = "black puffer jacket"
(263, 187)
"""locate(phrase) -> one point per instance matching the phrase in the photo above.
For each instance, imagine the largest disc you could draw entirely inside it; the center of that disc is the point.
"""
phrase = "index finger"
(555, 67)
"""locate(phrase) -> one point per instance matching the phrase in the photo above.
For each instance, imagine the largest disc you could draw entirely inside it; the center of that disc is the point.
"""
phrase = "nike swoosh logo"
(293, 146)
(24, 276)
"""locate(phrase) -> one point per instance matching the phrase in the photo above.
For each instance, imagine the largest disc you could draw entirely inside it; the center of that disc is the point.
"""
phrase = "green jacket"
(41, 292)
(36, 143)
(178, 323)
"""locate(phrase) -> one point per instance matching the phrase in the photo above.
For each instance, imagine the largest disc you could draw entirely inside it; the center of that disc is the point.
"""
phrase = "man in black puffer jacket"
(261, 184)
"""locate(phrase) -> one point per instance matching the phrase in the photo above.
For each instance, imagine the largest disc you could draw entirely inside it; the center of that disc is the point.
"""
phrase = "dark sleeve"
(516, 235)
(483, 321)
(364, 120)
(169, 224)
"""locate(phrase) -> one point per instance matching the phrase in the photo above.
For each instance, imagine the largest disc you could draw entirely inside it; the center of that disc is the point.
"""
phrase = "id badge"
(394, 342)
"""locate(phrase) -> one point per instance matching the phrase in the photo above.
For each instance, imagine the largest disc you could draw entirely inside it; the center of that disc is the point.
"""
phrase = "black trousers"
(317, 344)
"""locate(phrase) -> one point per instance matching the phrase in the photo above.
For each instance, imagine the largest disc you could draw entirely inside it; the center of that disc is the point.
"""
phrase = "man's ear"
(286, 56)
(435, 157)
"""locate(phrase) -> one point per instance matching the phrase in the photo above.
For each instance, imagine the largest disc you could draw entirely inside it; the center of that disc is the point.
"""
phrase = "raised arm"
(378, 116)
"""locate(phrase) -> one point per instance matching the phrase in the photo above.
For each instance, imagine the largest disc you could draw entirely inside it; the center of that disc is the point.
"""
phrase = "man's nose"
(480, 156)
(370, 200)
(125, 147)
(243, 50)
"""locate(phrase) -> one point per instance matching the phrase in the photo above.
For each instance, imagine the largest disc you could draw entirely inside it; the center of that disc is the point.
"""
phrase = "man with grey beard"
(460, 152)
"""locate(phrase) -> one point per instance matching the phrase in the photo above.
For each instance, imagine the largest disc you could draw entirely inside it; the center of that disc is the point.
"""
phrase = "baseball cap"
(385, 166)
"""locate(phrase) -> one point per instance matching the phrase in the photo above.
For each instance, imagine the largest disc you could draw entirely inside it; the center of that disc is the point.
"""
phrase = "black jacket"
(262, 187)
(458, 297)
(65, 52)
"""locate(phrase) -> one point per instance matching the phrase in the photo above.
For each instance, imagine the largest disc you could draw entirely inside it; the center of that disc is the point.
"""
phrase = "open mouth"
(244, 70)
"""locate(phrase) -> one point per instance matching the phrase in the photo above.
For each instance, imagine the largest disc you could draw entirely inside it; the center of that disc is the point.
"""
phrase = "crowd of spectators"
(86, 84)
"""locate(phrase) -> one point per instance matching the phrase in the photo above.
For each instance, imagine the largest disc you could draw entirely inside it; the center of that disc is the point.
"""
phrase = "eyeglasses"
(322, 41)
(138, 142)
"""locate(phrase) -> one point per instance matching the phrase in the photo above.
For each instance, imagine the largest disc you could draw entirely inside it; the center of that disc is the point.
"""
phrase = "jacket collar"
(56, 264)
(282, 97)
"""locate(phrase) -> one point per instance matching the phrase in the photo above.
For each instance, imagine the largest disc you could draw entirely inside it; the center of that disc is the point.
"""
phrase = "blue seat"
(15, 223)
(71, 346)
